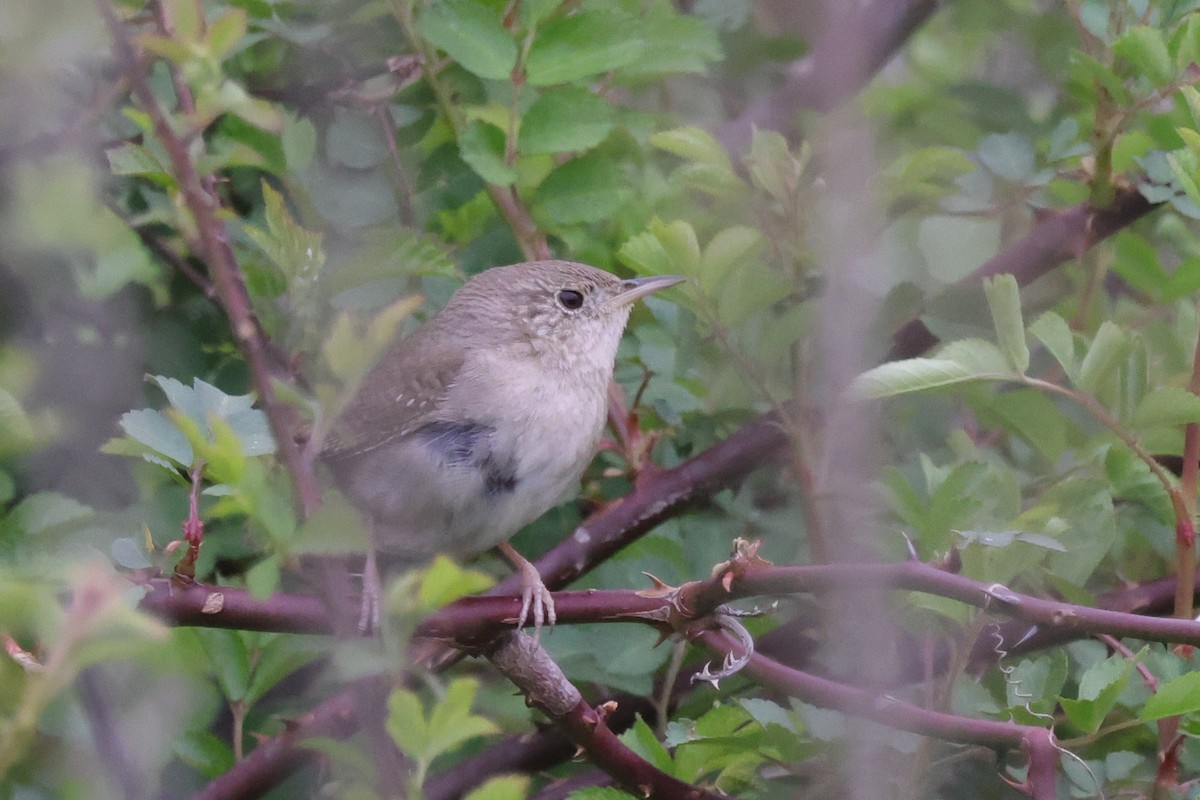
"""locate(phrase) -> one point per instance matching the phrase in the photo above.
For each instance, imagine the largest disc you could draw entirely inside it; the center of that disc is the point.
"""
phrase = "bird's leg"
(534, 594)
(368, 615)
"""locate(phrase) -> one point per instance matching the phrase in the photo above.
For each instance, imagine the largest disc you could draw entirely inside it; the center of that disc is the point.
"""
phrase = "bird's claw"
(535, 598)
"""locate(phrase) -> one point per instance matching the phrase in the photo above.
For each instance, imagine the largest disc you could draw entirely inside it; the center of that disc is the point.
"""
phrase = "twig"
(1038, 744)
(526, 664)
(212, 244)
(1054, 240)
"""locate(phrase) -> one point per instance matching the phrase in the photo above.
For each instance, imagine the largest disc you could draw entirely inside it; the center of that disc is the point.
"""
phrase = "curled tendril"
(1026, 698)
(725, 618)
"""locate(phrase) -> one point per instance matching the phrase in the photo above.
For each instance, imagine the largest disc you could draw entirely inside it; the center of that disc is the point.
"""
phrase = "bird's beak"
(636, 288)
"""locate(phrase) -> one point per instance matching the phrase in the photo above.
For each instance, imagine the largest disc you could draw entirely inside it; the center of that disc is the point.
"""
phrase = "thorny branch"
(211, 244)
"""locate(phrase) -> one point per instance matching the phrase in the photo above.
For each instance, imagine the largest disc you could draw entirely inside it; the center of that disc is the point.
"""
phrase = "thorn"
(660, 589)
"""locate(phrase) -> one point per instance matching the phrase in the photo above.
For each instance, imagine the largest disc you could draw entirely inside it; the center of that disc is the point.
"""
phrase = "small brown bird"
(487, 415)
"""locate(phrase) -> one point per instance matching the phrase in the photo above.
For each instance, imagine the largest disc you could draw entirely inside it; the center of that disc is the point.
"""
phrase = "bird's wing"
(403, 392)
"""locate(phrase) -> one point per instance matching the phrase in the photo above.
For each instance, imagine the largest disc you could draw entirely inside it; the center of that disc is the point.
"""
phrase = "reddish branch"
(472, 621)
(277, 757)
(1037, 743)
(823, 79)
(1055, 239)
(211, 243)
(529, 666)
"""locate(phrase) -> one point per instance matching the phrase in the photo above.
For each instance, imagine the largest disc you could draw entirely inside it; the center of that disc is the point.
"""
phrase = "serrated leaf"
(1009, 155)
(694, 144)
(129, 553)
(1108, 349)
(978, 355)
(472, 34)
(406, 722)
(641, 739)
(772, 166)
(565, 120)
(1145, 48)
(582, 45)
(1176, 697)
(154, 430)
(729, 249)
(445, 581)
(451, 722)
(587, 189)
(1004, 301)
(226, 32)
(229, 659)
(912, 375)
(482, 146)
(1168, 406)
(1055, 335)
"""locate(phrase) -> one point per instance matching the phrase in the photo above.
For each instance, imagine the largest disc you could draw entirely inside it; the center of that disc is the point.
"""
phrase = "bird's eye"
(570, 299)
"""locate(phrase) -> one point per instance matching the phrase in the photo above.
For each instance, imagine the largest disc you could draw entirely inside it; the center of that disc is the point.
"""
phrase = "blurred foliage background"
(362, 158)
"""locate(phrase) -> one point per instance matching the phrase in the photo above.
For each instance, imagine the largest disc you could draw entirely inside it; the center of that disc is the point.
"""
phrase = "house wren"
(487, 415)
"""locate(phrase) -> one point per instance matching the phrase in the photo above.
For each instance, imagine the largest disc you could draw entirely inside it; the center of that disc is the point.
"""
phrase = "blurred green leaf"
(565, 120)
(584, 190)
(483, 147)
(1004, 300)
(472, 34)
(1174, 698)
(1145, 49)
(582, 45)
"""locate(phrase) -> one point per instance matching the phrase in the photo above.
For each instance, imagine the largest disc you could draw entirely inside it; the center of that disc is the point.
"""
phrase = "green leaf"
(44, 511)
(299, 140)
(278, 656)
(676, 43)
(581, 45)
(204, 752)
(1004, 300)
(598, 793)
(1174, 698)
(226, 32)
(772, 166)
(472, 34)
(229, 659)
(1108, 349)
(1145, 48)
(505, 787)
(954, 247)
(1099, 689)
(565, 120)
(1009, 155)
(444, 582)
(154, 430)
(1055, 335)
(406, 722)
(587, 189)
(482, 146)
(694, 144)
(451, 722)
(135, 159)
(641, 740)
(728, 250)
(130, 553)
(1169, 406)
(912, 375)
(1033, 417)
(978, 355)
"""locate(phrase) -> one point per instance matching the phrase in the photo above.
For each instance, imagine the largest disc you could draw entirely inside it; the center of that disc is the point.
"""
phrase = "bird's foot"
(536, 600)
